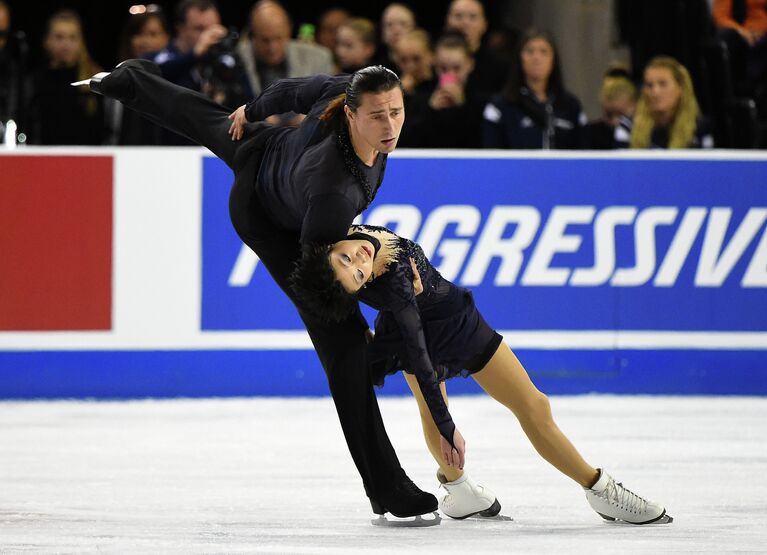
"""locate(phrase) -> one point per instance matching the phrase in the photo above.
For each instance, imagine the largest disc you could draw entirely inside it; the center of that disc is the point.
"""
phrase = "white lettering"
(452, 251)
(553, 240)
(715, 265)
(644, 239)
(244, 268)
(680, 247)
(756, 273)
(402, 219)
(490, 244)
(604, 246)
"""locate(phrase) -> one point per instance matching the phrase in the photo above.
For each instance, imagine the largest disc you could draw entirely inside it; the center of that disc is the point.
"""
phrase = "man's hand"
(208, 38)
(238, 120)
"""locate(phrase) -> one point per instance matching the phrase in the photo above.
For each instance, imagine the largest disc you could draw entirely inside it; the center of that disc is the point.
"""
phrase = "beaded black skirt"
(458, 339)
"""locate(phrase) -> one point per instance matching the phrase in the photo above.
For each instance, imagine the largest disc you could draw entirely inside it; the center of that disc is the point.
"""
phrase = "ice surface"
(274, 475)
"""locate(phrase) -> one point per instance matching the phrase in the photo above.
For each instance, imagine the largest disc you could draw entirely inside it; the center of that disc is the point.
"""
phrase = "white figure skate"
(465, 498)
(613, 502)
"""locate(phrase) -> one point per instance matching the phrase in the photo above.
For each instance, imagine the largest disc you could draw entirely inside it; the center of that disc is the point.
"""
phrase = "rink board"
(617, 273)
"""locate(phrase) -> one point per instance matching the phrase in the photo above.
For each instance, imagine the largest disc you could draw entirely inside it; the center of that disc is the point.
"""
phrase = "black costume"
(436, 335)
(293, 185)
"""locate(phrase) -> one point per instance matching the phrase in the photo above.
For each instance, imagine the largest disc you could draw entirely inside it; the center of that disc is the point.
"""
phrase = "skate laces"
(624, 497)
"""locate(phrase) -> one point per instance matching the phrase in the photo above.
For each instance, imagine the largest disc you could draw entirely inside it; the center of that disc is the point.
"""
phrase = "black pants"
(340, 346)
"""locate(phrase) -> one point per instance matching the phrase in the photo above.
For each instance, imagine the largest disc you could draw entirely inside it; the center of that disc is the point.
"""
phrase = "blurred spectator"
(468, 17)
(13, 55)
(59, 113)
(143, 35)
(413, 56)
(743, 27)
(270, 54)
(396, 20)
(449, 115)
(535, 110)
(618, 98)
(198, 28)
(355, 44)
(667, 115)
(327, 26)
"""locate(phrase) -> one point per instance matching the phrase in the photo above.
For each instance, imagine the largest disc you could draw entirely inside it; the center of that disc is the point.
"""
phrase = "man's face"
(379, 118)
(270, 35)
(196, 22)
(5, 25)
(468, 17)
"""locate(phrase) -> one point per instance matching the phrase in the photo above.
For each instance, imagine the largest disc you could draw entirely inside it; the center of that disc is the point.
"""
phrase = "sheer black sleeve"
(297, 94)
(399, 297)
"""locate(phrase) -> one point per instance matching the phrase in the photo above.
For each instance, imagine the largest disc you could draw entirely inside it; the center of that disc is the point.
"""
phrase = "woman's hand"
(454, 456)
(238, 120)
(417, 284)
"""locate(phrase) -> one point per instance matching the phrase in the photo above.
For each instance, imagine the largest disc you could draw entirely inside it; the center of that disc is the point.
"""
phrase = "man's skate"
(466, 498)
(408, 504)
(614, 502)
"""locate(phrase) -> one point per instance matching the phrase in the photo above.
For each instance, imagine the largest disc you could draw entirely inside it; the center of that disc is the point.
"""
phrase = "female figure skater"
(435, 336)
(294, 186)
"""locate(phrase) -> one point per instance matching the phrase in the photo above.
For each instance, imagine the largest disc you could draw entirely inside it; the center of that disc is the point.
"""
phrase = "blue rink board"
(141, 374)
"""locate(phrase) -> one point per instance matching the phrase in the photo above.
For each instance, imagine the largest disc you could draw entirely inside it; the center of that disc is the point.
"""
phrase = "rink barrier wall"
(633, 273)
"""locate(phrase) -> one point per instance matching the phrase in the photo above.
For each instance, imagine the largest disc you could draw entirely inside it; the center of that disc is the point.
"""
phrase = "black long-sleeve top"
(310, 179)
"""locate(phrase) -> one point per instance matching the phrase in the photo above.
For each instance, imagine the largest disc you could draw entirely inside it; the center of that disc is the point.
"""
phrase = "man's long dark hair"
(315, 287)
(371, 79)
(516, 81)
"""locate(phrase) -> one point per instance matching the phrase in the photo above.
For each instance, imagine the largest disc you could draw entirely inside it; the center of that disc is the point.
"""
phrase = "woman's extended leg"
(505, 380)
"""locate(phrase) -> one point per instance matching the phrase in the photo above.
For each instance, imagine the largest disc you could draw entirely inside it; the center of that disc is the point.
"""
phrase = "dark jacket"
(528, 123)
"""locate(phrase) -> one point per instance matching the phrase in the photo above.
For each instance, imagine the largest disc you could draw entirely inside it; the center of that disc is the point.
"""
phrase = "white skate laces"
(465, 498)
(612, 501)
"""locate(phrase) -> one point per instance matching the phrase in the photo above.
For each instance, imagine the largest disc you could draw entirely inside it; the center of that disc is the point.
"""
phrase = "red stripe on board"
(55, 243)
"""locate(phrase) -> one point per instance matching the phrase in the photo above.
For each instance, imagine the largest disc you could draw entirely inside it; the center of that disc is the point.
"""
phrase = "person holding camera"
(201, 57)
(447, 114)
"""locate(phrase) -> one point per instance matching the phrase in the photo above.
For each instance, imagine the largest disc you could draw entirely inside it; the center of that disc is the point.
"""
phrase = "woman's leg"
(505, 380)
(430, 430)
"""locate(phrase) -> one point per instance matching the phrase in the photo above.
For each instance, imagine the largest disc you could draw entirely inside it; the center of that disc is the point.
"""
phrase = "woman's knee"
(536, 409)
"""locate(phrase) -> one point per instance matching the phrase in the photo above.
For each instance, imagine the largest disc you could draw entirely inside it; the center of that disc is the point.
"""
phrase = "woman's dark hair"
(133, 27)
(516, 79)
(315, 287)
(371, 79)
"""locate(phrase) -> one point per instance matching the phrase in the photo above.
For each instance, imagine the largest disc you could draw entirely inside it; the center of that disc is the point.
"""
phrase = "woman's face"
(151, 38)
(351, 51)
(661, 90)
(468, 17)
(378, 120)
(413, 58)
(396, 21)
(352, 263)
(537, 59)
(614, 108)
(455, 61)
(64, 42)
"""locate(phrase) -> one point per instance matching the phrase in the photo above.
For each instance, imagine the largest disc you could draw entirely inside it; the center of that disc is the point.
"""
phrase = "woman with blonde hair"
(667, 115)
(355, 44)
(60, 114)
(618, 99)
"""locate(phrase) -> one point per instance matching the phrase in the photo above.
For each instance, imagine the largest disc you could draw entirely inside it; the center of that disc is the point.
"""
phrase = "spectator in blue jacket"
(534, 111)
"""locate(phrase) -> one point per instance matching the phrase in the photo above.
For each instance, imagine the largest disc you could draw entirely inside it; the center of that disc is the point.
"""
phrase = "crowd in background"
(468, 87)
